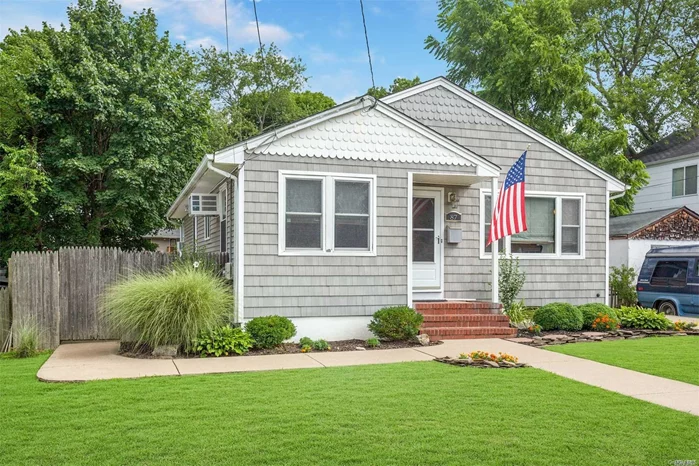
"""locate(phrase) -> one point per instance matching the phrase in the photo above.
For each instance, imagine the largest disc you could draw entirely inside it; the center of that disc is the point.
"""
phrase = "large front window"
(554, 227)
(684, 181)
(326, 214)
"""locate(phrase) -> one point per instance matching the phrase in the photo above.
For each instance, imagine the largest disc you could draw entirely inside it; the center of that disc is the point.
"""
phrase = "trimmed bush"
(559, 316)
(172, 307)
(223, 341)
(638, 317)
(373, 343)
(270, 331)
(321, 345)
(305, 341)
(591, 311)
(396, 323)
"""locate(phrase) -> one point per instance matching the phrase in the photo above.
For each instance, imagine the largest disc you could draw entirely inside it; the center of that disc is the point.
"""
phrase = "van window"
(670, 273)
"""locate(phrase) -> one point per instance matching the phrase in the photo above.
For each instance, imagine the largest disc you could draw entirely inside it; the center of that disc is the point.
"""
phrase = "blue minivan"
(669, 280)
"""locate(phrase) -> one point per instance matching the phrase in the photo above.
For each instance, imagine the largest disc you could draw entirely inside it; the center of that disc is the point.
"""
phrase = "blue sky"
(326, 34)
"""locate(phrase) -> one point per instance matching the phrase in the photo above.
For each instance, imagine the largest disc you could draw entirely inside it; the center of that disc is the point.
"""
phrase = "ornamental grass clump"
(172, 307)
(559, 316)
(26, 336)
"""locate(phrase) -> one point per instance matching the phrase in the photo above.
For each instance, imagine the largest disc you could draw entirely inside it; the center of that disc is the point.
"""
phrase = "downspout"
(236, 246)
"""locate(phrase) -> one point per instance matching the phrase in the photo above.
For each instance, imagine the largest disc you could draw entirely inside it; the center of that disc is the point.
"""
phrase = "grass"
(675, 358)
(411, 413)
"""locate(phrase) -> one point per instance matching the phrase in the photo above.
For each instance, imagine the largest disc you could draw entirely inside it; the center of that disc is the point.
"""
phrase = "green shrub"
(26, 337)
(171, 307)
(621, 282)
(223, 341)
(638, 317)
(592, 310)
(510, 282)
(270, 331)
(559, 316)
(396, 323)
(305, 341)
(517, 312)
(373, 343)
(321, 345)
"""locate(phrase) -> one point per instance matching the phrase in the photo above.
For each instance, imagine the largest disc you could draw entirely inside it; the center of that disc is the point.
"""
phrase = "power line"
(366, 37)
(257, 24)
(225, 10)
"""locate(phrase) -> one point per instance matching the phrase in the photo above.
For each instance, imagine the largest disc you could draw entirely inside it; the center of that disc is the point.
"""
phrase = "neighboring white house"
(166, 240)
(672, 165)
(632, 236)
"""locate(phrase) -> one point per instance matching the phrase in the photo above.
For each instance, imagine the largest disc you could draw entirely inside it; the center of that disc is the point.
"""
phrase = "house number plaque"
(453, 216)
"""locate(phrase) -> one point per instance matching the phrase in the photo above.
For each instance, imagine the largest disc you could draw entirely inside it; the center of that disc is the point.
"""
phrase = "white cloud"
(268, 33)
(129, 6)
(205, 42)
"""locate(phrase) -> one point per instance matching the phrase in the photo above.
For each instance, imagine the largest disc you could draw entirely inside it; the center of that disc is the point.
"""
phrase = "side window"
(670, 273)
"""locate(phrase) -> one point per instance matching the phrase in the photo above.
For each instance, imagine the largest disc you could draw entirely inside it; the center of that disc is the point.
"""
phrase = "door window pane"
(423, 246)
(304, 196)
(690, 182)
(540, 236)
(678, 182)
(423, 212)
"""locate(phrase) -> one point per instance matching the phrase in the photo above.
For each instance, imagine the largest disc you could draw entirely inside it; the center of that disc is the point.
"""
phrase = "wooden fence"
(61, 291)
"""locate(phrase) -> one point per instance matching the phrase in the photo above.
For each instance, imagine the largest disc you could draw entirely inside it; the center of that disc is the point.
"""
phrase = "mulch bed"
(563, 337)
(143, 351)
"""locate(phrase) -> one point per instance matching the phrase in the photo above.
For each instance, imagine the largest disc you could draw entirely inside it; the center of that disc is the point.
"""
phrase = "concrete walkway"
(79, 362)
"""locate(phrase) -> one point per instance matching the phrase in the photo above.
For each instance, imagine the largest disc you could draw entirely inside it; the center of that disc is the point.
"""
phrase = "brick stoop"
(455, 320)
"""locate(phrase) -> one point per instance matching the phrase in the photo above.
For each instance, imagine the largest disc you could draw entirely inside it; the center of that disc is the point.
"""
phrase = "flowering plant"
(680, 325)
(489, 356)
(535, 329)
(605, 322)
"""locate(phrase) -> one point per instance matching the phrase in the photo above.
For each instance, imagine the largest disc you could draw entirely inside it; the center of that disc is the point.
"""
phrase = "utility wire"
(257, 23)
(225, 10)
(366, 37)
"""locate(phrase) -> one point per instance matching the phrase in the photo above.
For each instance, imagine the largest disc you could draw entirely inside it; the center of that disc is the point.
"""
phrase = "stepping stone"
(594, 334)
(520, 340)
(556, 337)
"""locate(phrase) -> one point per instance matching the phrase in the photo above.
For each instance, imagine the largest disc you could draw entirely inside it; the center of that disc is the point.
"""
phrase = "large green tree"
(255, 92)
(603, 77)
(107, 118)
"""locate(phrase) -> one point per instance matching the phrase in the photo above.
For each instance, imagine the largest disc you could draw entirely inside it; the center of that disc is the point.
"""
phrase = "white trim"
(225, 213)
(328, 180)
(207, 227)
(494, 258)
(239, 243)
(195, 232)
(409, 216)
(331, 328)
(427, 295)
(439, 231)
(613, 183)
(558, 196)
(606, 248)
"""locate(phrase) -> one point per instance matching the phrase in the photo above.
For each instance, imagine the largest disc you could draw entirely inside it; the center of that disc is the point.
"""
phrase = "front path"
(79, 362)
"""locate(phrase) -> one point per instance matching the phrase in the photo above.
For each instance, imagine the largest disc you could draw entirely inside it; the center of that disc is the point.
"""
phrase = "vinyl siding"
(213, 243)
(468, 276)
(658, 193)
(319, 286)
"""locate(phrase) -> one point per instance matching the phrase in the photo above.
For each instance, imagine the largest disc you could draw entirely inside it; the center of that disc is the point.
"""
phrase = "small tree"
(511, 280)
(621, 282)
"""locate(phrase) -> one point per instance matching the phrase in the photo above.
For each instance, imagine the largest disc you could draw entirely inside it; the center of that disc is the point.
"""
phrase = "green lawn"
(675, 358)
(412, 413)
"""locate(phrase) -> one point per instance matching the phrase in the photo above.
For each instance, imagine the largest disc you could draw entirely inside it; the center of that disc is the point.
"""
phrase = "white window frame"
(207, 227)
(684, 181)
(327, 231)
(195, 233)
(558, 196)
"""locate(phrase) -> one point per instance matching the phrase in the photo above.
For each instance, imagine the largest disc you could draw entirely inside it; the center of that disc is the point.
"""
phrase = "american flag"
(510, 216)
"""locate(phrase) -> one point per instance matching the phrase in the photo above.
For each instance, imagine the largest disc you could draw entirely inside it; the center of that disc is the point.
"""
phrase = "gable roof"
(395, 137)
(628, 225)
(678, 144)
(613, 184)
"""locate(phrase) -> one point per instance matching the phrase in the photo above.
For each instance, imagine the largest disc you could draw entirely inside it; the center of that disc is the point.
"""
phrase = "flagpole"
(494, 246)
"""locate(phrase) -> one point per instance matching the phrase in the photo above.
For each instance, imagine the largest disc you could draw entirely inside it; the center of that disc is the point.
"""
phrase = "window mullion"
(558, 218)
(329, 213)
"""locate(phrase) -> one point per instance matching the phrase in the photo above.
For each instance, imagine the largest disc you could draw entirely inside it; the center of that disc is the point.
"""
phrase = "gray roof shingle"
(677, 144)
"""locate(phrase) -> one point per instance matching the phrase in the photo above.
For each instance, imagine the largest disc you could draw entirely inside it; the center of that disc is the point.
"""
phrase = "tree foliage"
(255, 92)
(399, 84)
(116, 123)
(602, 77)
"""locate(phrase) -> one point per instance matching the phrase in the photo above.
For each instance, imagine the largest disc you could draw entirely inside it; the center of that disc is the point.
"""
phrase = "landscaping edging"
(585, 337)
(482, 363)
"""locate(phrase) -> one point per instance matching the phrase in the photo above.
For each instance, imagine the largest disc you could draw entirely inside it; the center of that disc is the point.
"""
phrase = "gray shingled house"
(378, 203)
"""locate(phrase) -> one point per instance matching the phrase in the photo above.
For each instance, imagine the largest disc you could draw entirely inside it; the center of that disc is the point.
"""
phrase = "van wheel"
(668, 308)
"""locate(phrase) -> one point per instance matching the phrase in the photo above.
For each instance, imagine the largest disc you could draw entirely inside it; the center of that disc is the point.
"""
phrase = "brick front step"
(467, 320)
(455, 333)
(456, 307)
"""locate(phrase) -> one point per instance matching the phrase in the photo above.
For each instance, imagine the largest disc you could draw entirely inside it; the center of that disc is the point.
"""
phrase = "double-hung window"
(207, 227)
(555, 227)
(326, 214)
(684, 181)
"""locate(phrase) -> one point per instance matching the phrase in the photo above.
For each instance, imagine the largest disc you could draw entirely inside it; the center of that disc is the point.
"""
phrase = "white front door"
(427, 239)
